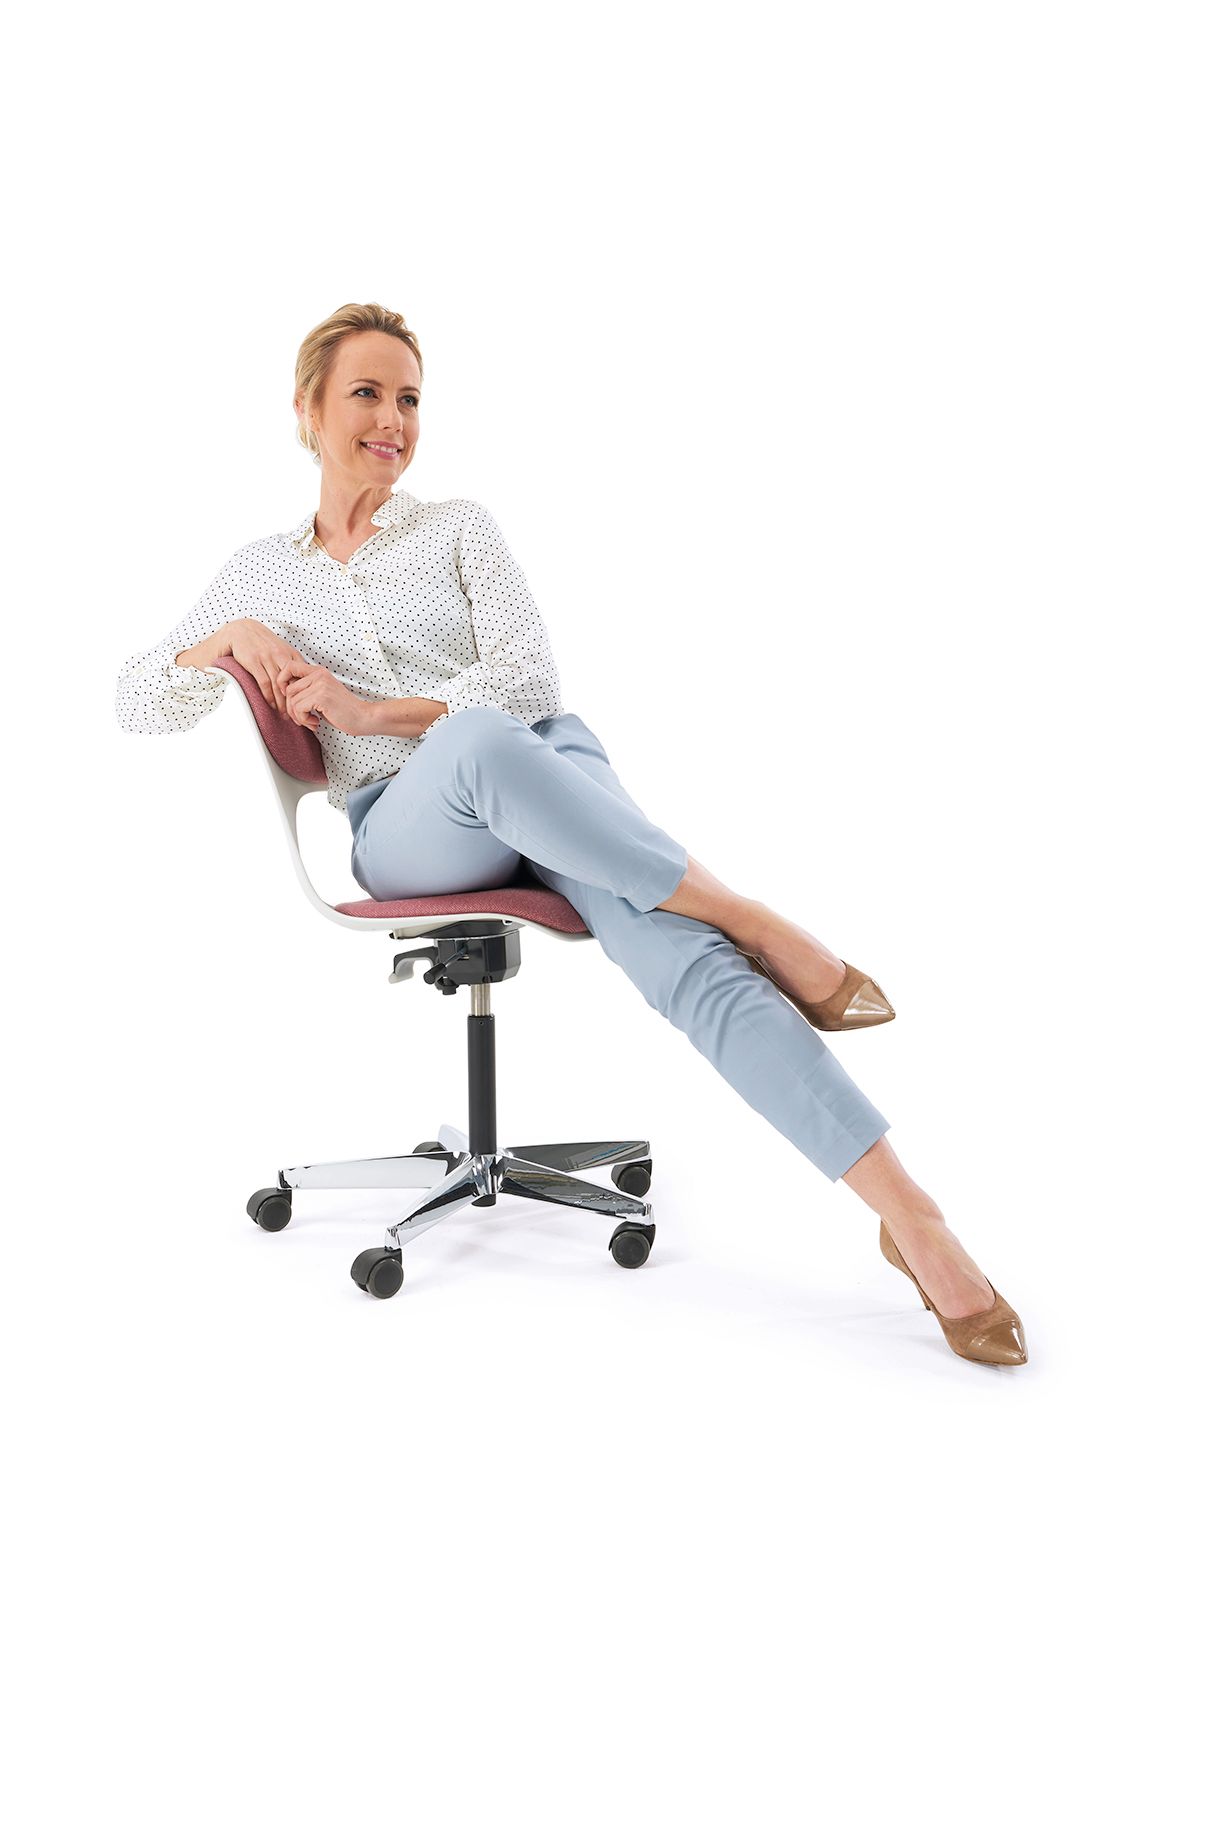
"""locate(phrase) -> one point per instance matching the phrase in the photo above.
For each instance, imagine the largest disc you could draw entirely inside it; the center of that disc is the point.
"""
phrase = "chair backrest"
(295, 764)
(296, 750)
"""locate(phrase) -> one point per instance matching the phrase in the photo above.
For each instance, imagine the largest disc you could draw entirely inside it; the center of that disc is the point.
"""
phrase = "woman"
(378, 594)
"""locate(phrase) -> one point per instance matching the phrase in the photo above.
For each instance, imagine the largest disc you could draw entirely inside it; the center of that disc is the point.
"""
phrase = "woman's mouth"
(381, 449)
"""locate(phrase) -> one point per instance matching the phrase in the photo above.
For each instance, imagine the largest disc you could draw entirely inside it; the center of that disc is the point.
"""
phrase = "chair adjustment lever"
(403, 963)
(463, 958)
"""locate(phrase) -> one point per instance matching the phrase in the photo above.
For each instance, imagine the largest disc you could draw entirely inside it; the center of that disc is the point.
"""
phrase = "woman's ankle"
(921, 1220)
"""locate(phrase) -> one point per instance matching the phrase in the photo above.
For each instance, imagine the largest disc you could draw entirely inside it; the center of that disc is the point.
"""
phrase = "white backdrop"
(850, 387)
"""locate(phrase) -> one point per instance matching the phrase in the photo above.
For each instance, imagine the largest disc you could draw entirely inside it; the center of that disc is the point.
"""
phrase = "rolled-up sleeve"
(156, 696)
(515, 669)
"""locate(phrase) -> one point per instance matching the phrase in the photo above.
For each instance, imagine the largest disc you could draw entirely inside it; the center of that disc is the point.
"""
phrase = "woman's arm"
(154, 694)
(406, 716)
(515, 669)
(208, 651)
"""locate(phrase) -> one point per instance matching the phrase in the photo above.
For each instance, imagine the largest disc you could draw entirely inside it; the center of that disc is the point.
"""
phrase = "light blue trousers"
(485, 789)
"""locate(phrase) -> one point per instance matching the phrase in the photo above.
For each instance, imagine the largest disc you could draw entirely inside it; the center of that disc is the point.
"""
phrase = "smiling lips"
(382, 449)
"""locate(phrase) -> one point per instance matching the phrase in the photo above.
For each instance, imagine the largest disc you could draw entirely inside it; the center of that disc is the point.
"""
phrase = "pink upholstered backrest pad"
(296, 750)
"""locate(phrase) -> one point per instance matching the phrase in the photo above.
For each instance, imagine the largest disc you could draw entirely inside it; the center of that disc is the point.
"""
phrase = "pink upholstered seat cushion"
(522, 901)
(297, 752)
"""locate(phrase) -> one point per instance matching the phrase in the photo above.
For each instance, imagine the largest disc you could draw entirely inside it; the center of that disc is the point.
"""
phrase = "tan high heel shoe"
(993, 1335)
(858, 1004)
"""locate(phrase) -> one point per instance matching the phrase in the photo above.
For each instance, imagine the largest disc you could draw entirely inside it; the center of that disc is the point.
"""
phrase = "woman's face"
(366, 419)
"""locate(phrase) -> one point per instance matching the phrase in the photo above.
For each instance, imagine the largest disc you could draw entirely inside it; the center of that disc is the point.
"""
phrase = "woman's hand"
(263, 654)
(313, 693)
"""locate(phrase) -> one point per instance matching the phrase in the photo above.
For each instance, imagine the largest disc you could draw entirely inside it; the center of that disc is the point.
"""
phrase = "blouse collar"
(394, 510)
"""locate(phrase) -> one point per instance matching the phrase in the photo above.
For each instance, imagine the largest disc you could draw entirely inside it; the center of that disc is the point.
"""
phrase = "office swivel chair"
(474, 939)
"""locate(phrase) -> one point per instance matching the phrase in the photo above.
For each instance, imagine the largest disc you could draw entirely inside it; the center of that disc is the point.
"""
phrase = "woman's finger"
(286, 675)
(279, 686)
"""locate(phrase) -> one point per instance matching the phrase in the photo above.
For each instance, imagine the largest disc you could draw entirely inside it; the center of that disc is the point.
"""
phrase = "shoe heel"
(894, 1256)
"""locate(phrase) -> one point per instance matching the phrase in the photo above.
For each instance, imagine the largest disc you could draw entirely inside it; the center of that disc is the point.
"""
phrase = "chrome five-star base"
(455, 1177)
(454, 1173)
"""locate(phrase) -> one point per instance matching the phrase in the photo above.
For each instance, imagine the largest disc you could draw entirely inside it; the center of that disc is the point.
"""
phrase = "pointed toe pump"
(857, 1004)
(993, 1335)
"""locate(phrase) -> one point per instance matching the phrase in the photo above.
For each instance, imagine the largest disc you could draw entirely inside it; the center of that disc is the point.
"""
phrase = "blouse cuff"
(191, 676)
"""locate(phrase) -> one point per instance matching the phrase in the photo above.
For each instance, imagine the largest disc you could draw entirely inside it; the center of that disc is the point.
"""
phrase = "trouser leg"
(693, 974)
(485, 789)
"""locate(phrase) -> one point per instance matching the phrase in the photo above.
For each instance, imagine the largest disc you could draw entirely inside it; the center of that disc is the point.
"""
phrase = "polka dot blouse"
(432, 604)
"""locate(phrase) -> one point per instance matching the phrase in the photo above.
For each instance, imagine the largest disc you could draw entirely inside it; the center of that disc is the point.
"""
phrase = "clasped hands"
(313, 694)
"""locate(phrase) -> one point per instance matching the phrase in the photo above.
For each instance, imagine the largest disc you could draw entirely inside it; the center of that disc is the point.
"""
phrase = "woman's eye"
(406, 398)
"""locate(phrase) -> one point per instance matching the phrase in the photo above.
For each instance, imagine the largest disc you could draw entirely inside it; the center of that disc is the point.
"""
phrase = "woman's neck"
(345, 514)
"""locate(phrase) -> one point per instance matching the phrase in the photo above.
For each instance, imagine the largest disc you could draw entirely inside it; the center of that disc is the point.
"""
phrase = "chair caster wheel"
(378, 1271)
(631, 1245)
(270, 1208)
(633, 1178)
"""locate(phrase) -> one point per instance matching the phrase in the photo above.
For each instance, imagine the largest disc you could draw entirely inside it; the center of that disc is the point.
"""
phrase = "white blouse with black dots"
(432, 604)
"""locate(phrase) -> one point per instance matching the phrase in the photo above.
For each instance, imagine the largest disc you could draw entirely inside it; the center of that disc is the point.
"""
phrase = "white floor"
(729, 1543)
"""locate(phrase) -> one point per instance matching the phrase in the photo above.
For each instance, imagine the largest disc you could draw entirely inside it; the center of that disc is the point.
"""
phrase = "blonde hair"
(318, 350)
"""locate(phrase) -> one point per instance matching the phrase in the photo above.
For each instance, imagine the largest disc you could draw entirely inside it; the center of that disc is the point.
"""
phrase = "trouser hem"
(855, 1147)
(648, 896)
